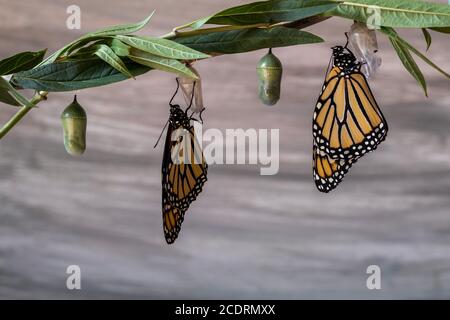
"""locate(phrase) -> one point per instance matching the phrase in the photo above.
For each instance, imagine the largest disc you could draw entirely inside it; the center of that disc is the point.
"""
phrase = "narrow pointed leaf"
(83, 53)
(107, 54)
(70, 48)
(122, 29)
(6, 97)
(73, 75)
(442, 30)
(5, 94)
(116, 30)
(424, 58)
(163, 48)
(237, 41)
(120, 48)
(395, 13)
(20, 99)
(393, 34)
(4, 84)
(409, 63)
(267, 12)
(163, 64)
(55, 55)
(21, 61)
(427, 37)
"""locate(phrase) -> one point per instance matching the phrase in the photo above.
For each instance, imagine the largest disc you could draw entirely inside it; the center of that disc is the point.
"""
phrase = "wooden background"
(247, 236)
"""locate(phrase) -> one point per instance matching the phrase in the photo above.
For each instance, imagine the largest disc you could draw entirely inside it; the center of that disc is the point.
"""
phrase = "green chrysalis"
(270, 71)
(74, 122)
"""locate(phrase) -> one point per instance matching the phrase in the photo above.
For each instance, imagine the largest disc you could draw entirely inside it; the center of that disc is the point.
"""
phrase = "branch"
(114, 54)
(38, 97)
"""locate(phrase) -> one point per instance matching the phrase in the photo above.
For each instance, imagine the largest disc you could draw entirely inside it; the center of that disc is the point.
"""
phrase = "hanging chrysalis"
(270, 72)
(363, 42)
(74, 122)
(187, 85)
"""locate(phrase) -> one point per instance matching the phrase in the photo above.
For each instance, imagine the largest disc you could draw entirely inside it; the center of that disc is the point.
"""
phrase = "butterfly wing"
(182, 179)
(172, 219)
(328, 172)
(347, 121)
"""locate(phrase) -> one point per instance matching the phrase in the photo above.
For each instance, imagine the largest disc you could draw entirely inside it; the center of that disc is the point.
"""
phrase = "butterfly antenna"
(167, 122)
(346, 44)
(176, 91)
(200, 115)
(162, 131)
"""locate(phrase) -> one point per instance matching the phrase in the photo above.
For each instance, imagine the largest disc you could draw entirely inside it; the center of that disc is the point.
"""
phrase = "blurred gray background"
(247, 236)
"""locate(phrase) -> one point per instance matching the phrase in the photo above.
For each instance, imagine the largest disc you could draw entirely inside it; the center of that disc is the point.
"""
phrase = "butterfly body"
(346, 61)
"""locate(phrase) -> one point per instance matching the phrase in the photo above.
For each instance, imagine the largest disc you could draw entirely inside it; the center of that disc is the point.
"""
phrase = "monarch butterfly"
(347, 121)
(184, 169)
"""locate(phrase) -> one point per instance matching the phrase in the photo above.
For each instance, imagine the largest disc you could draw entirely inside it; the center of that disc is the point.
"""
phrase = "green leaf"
(87, 52)
(108, 32)
(122, 29)
(267, 12)
(395, 13)
(67, 49)
(392, 34)
(120, 48)
(111, 31)
(82, 45)
(6, 97)
(408, 62)
(73, 75)
(4, 84)
(238, 41)
(20, 99)
(55, 55)
(442, 30)
(427, 37)
(424, 58)
(21, 61)
(163, 64)
(163, 48)
(6, 93)
(107, 54)
(79, 57)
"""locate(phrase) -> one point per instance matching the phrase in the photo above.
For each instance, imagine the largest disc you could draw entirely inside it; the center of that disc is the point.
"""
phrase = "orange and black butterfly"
(347, 121)
(184, 169)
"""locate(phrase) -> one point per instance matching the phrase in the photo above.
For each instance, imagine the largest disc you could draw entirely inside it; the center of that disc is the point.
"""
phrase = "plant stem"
(38, 97)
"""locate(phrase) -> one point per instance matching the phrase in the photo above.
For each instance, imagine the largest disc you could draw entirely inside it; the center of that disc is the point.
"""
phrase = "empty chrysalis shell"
(270, 72)
(363, 42)
(74, 122)
(187, 85)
